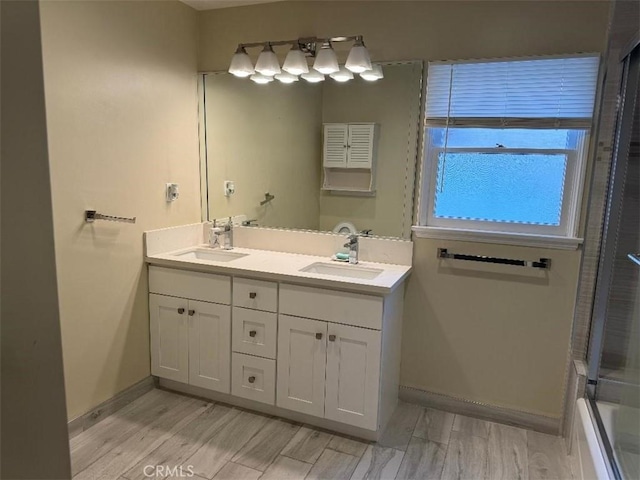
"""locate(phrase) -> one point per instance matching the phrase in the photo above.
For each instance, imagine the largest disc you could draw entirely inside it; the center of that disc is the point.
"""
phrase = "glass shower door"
(614, 356)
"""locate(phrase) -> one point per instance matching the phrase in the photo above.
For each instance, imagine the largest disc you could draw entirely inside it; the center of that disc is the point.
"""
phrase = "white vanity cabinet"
(329, 370)
(317, 355)
(329, 354)
(254, 339)
(352, 385)
(169, 337)
(190, 338)
(302, 364)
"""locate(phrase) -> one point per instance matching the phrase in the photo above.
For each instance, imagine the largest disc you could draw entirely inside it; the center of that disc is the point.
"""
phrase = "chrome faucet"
(352, 245)
(228, 235)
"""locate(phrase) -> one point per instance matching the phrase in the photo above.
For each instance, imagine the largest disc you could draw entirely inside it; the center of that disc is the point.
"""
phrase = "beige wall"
(266, 138)
(34, 428)
(480, 335)
(394, 105)
(120, 85)
(489, 333)
(411, 30)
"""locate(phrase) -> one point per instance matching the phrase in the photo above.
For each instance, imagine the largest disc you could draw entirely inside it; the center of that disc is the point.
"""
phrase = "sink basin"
(338, 270)
(210, 255)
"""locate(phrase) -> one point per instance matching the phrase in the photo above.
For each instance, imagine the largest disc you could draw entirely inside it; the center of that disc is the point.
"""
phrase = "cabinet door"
(169, 337)
(210, 346)
(360, 151)
(353, 375)
(302, 352)
(335, 145)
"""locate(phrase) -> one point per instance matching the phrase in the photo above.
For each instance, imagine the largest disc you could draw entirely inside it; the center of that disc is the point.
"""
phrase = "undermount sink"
(210, 255)
(338, 270)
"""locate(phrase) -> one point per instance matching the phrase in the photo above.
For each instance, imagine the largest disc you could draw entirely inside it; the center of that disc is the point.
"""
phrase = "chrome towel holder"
(544, 263)
(91, 216)
(267, 198)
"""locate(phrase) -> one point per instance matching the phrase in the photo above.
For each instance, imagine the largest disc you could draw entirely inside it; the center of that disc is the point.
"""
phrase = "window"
(505, 146)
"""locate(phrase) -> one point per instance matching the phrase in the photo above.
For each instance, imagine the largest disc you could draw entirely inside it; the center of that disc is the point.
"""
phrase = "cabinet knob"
(252, 379)
(181, 311)
(192, 313)
(252, 333)
(319, 336)
(253, 294)
(332, 338)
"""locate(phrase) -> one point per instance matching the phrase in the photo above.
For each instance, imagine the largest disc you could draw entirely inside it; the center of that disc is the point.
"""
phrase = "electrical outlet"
(229, 188)
(172, 192)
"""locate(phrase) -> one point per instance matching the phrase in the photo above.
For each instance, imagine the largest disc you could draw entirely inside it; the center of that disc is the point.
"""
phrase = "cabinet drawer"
(332, 306)
(254, 332)
(253, 378)
(255, 294)
(186, 284)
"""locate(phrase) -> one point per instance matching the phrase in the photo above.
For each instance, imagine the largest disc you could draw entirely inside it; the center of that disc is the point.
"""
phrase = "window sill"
(504, 238)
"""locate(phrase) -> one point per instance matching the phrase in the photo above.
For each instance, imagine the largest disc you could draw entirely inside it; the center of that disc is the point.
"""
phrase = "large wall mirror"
(277, 138)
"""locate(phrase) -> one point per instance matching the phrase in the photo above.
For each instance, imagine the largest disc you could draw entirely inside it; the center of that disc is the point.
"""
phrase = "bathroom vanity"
(282, 332)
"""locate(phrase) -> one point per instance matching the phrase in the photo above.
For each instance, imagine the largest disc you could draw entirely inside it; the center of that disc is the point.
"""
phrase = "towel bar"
(542, 263)
(91, 216)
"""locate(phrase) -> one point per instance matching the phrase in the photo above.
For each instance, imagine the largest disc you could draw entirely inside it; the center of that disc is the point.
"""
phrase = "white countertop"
(286, 267)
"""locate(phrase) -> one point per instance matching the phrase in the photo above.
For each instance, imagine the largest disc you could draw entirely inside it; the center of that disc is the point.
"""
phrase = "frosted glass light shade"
(313, 76)
(268, 63)
(326, 60)
(296, 62)
(374, 74)
(358, 60)
(241, 65)
(342, 75)
(260, 78)
(286, 77)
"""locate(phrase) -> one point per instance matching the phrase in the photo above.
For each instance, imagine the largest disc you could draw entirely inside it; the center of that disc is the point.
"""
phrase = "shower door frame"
(624, 128)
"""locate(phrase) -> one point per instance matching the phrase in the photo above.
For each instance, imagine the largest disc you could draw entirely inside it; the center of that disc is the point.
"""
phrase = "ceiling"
(211, 4)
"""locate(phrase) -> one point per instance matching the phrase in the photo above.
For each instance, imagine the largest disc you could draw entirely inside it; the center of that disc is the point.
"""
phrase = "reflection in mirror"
(287, 140)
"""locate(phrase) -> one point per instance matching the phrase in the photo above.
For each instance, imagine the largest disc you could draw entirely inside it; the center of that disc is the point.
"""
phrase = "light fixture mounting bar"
(302, 41)
(351, 38)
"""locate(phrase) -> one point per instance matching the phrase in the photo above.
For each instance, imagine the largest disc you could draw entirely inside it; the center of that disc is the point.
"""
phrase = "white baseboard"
(264, 408)
(106, 408)
(539, 423)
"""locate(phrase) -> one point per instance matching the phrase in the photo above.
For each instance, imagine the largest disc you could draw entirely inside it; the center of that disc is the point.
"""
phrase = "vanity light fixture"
(374, 74)
(267, 63)
(260, 78)
(342, 75)
(358, 60)
(296, 62)
(326, 60)
(241, 65)
(313, 76)
(285, 77)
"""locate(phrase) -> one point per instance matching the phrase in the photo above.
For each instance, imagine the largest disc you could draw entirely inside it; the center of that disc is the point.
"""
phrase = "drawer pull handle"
(318, 336)
(252, 333)
(253, 294)
(192, 313)
(332, 338)
(181, 311)
(252, 379)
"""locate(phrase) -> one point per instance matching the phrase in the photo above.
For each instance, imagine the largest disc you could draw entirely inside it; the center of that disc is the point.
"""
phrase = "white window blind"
(550, 92)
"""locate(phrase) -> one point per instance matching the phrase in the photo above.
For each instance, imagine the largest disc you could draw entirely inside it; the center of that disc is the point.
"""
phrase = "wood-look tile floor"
(168, 435)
